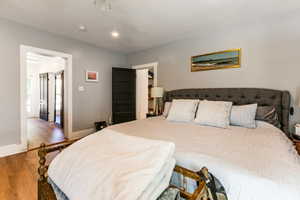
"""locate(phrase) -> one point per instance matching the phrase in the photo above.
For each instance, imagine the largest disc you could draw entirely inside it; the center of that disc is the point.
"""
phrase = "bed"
(246, 161)
(252, 164)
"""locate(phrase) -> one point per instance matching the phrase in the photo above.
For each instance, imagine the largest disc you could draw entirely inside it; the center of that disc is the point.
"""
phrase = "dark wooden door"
(59, 99)
(44, 85)
(123, 95)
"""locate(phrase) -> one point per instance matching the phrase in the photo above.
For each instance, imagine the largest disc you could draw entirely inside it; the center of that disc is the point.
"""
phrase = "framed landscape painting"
(91, 76)
(217, 60)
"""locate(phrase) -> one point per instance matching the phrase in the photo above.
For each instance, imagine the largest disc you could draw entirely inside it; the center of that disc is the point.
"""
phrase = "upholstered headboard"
(240, 96)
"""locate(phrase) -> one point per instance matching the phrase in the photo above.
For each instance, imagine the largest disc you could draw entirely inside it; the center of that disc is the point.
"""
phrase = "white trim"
(82, 133)
(12, 149)
(153, 65)
(68, 89)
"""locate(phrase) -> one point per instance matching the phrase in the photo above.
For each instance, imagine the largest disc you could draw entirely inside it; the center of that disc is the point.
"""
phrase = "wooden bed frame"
(46, 192)
(239, 96)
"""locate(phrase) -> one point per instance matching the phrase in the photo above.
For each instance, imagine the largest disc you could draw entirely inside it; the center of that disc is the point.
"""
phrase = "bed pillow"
(243, 116)
(183, 110)
(268, 114)
(213, 113)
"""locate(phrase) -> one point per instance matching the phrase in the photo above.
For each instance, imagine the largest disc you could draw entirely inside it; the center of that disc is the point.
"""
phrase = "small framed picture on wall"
(91, 76)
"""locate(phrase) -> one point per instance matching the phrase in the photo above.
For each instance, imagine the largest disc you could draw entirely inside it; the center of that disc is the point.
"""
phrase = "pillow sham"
(268, 114)
(167, 107)
(243, 115)
(213, 113)
(183, 110)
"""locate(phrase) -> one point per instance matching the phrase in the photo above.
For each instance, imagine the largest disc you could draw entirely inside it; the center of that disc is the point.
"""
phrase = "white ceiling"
(142, 23)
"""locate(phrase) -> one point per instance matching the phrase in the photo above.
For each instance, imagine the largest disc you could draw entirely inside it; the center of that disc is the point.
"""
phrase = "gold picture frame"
(216, 60)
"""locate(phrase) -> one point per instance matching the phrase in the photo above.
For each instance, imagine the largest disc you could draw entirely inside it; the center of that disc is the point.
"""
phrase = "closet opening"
(146, 78)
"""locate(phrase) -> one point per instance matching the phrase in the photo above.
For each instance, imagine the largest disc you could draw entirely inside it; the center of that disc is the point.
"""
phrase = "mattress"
(252, 164)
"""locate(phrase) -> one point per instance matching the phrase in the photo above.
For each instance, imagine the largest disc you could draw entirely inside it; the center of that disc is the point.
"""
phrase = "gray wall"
(88, 106)
(270, 58)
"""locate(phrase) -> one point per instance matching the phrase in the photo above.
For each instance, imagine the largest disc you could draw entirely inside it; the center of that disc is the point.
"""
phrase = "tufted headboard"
(240, 96)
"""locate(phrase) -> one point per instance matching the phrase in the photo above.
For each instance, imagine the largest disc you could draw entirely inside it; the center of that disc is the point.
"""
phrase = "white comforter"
(252, 164)
(112, 166)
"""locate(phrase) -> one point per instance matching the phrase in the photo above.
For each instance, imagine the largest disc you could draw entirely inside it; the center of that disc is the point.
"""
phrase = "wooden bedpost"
(45, 190)
(42, 170)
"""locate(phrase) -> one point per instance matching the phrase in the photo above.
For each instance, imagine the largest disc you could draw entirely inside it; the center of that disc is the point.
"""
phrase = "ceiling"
(142, 24)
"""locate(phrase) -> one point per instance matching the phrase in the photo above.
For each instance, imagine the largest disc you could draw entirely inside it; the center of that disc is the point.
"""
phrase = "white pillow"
(243, 115)
(214, 113)
(167, 108)
(183, 110)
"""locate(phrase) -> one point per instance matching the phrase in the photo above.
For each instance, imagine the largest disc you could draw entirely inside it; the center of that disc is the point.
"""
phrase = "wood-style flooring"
(40, 131)
(18, 173)
(18, 176)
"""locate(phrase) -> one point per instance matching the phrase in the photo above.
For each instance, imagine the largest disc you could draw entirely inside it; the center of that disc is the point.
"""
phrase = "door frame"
(68, 117)
(153, 65)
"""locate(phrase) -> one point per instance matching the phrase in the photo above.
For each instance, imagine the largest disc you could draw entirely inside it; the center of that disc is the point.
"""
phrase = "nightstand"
(296, 141)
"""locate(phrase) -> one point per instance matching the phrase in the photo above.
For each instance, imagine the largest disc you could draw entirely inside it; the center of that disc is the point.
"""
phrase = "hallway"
(40, 131)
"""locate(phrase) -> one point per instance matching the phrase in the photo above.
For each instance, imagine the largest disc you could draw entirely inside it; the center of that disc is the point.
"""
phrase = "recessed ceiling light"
(115, 34)
(82, 28)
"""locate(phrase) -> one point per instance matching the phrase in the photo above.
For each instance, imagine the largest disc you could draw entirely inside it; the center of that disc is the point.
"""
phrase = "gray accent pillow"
(268, 114)
(243, 115)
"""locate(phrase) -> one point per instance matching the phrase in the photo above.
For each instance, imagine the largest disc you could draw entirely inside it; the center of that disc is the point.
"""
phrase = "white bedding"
(113, 166)
(252, 164)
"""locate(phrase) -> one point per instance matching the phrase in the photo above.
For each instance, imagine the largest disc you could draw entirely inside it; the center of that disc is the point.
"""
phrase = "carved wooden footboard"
(46, 192)
(193, 175)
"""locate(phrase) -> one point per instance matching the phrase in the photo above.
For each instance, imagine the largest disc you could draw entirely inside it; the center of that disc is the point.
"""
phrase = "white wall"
(270, 58)
(89, 106)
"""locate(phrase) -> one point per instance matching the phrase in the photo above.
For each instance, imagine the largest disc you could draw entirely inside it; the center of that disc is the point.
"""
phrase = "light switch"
(80, 88)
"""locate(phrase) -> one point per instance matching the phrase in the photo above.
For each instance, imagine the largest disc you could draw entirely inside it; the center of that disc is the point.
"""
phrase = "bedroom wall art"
(217, 60)
(91, 76)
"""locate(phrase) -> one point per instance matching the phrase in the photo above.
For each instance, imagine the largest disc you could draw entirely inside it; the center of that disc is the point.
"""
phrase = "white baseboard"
(82, 133)
(12, 149)
(19, 148)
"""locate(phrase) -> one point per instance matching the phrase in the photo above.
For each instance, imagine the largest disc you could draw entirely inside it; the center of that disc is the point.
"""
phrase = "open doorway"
(45, 94)
(146, 78)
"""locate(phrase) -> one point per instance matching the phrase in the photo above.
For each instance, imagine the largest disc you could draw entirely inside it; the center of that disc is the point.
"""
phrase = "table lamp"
(157, 93)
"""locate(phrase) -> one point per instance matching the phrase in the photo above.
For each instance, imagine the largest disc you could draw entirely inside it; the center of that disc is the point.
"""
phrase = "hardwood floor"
(18, 176)
(40, 131)
(18, 173)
